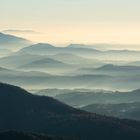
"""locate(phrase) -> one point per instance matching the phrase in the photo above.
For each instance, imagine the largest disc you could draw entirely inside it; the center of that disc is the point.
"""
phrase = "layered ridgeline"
(64, 75)
(121, 110)
(85, 97)
(83, 50)
(73, 66)
(12, 42)
(114, 70)
(118, 104)
(48, 49)
(23, 111)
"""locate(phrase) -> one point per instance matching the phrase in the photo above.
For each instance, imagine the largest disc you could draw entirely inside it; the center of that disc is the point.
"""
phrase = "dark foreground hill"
(14, 135)
(22, 111)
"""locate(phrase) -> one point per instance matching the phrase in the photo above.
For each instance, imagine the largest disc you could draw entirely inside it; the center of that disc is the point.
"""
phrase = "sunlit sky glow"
(74, 21)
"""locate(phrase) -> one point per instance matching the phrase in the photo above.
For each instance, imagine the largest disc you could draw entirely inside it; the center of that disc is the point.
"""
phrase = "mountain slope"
(123, 110)
(21, 110)
(12, 42)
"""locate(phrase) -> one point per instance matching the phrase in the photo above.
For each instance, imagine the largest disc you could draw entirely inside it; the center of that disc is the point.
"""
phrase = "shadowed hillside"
(23, 111)
(13, 135)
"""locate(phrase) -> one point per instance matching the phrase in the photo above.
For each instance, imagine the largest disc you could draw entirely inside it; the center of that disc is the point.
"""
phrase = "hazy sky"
(76, 21)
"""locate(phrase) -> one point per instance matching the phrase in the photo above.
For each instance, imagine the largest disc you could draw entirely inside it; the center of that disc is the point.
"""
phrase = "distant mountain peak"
(45, 45)
(9, 36)
(79, 46)
(8, 41)
(107, 66)
(38, 46)
(118, 67)
(82, 46)
(76, 45)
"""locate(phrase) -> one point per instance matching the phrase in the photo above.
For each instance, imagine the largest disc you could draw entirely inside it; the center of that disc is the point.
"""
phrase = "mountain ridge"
(24, 111)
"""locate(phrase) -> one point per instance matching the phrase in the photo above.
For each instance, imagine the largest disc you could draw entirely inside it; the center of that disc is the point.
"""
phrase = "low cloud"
(15, 31)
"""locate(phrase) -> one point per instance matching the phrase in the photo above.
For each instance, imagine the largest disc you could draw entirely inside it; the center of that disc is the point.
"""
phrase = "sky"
(73, 21)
